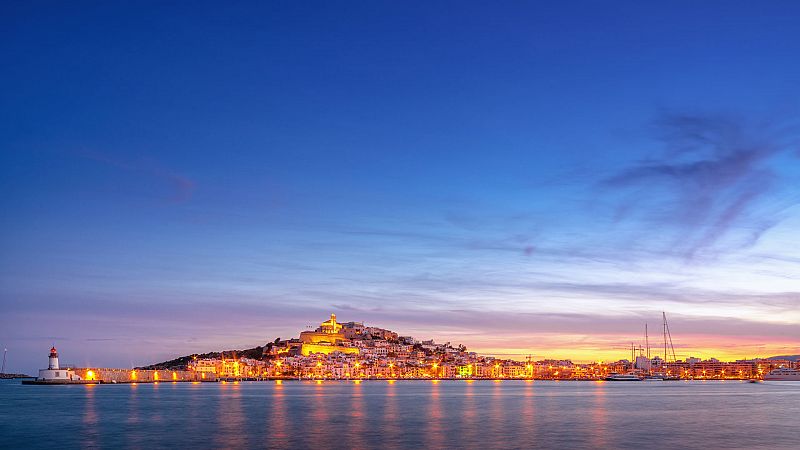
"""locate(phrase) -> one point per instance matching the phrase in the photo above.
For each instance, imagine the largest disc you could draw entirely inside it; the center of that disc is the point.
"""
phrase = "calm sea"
(404, 414)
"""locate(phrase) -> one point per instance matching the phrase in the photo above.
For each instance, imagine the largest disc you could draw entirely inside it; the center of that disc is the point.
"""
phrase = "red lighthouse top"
(53, 351)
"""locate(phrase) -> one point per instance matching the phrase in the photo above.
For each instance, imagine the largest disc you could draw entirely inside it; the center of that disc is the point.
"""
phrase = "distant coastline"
(13, 376)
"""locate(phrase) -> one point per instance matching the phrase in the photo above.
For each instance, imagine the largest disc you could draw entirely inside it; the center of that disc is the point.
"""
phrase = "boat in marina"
(622, 377)
(669, 356)
(783, 374)
(660, 376)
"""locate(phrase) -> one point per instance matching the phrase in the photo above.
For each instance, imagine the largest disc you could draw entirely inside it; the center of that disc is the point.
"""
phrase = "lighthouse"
(53, 359)
(54, 374)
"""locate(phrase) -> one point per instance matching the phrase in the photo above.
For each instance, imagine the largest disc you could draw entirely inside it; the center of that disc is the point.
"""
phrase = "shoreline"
(354, 380)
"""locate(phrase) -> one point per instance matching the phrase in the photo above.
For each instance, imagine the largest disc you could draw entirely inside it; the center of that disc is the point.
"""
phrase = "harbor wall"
(106, 375)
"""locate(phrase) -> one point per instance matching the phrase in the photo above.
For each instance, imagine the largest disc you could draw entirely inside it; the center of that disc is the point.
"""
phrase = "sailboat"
(669, 351)
(668, 337)
(650, 376)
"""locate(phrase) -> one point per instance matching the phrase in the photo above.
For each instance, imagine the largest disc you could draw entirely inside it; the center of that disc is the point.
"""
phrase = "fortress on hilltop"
(326, 339)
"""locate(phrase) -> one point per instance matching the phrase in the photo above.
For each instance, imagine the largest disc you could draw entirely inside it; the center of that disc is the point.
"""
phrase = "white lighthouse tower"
(53, 359)
(54, 373)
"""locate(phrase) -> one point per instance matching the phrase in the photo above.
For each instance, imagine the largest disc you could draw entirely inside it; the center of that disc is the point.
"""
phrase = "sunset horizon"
(523, 345)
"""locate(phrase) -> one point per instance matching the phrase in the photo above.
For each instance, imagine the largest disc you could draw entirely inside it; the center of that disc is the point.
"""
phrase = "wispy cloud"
(711, 183)
(181, 188)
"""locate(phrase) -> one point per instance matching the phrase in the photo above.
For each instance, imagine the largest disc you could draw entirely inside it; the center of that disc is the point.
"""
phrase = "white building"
(642, 362)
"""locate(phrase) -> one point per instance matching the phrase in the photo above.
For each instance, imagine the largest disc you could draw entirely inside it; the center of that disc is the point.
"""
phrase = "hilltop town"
(352, 350)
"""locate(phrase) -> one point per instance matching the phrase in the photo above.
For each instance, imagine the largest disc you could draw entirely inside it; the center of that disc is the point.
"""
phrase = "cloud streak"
(709, 185)
(181, 187)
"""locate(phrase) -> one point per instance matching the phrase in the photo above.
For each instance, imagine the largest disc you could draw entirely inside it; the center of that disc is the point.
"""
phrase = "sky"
(525, 178)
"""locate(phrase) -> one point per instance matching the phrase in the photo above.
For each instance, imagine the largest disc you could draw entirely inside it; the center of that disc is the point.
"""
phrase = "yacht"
(783, 374)
(622, 377)
(660, 376)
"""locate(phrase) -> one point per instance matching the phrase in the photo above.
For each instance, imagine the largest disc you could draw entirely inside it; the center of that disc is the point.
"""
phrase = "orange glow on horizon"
(609, 348)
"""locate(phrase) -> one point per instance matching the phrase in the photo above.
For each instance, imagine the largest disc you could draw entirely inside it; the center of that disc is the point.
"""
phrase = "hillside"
(794, 358)
(183, 361)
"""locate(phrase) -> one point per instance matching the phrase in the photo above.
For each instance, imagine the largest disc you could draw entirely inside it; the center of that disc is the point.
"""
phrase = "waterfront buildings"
(352, 350)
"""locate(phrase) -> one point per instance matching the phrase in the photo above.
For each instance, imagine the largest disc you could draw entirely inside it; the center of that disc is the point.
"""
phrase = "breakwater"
(106, 375)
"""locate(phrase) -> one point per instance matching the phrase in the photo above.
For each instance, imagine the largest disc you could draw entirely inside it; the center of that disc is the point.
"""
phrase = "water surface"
(403, 414)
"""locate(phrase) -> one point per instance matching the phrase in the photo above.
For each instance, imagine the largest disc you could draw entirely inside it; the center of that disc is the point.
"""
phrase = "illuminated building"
(205, 365)
(326, 339)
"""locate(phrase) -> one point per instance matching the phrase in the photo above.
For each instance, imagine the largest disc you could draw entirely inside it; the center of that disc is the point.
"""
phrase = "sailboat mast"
(664, 315)
(3, 370)
(647, 345)
(633, 357)
(674, 357)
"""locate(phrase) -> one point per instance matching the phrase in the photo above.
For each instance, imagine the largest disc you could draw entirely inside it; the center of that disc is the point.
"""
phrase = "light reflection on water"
(416, 414)
(435, 438)
(231, 418)
(528, 412)
(357, 418)
(89, 431)
(132, 417)
(599, 419)
(321, 404)
(278, 421)
(390, 419)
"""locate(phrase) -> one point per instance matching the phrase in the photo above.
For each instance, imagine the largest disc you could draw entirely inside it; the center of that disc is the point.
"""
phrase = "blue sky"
(522, 178)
